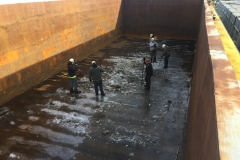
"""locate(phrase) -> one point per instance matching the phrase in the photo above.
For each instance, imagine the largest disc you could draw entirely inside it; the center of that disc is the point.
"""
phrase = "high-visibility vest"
(72, 76)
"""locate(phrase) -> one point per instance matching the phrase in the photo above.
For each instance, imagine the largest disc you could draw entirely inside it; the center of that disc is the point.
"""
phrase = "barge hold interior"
(190, 112)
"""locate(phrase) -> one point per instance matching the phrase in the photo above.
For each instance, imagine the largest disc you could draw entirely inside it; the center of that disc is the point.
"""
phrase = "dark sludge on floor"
(47, 122)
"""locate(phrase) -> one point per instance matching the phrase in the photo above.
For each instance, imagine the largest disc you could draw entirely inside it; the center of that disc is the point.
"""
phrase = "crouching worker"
(72, 75)
(149, 73)
(95, 75)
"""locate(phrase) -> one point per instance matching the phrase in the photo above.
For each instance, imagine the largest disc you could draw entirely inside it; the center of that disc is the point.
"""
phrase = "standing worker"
(153, 45)
(72, 75)
(166, 55)
(95, 75)
(149, 73)
(152, 36)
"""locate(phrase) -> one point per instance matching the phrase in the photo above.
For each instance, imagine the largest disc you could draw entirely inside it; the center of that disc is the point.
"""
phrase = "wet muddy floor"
(129, 123)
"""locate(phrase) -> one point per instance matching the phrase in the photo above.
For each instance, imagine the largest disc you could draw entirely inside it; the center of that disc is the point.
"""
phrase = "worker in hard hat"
(72, 76)
(95, 75)
(166, 55)
(152, 36)
(153, 45)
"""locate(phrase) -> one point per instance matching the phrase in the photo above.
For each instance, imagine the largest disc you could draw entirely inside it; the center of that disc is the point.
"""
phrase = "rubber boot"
(71, 90)
(76, 91)
(147, 88)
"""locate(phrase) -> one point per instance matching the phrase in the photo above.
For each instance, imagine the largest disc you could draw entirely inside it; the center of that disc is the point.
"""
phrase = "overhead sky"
(22, 1)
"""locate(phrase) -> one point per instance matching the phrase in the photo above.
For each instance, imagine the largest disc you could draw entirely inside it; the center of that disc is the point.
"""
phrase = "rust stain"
(9, 57)
(70, 44)
(70, 34)
(19, 76)
(97, 26)
(64, 38)
(78, 37)
(47, 52)
(103, 31)
(26, 49)
(67, 36)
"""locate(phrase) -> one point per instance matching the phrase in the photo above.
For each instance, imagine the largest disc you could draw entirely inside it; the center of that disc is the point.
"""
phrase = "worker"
(153, 45)
(166, 55)
(152, 36)
(95, 75)
(148, 73)
(72, 76)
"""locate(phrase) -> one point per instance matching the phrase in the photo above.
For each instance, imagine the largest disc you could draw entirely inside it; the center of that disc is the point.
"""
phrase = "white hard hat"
(93, 62)
(152, 39)
(71, 60)
(164, 45)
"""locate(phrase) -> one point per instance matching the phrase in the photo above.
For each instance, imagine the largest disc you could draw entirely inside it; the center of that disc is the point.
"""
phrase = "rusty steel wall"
(37, 39)
(213, 115)
(177, 19)
(201, 139)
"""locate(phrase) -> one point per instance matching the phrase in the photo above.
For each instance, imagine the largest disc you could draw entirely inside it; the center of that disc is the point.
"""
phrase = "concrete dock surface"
(47, 122)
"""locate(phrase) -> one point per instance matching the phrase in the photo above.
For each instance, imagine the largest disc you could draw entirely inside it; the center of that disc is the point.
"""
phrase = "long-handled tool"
(169, 103)
(177, 153)
(143, 69)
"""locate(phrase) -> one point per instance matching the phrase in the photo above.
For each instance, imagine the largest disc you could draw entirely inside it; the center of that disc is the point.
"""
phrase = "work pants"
(73, 84)
(148, 81)
(96, 85)
(166, 61)
(153, 56)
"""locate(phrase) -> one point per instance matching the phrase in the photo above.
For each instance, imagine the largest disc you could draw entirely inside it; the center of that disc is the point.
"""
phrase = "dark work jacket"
(149, 70)
(165, 52)
(71, 70)
(95, 73)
